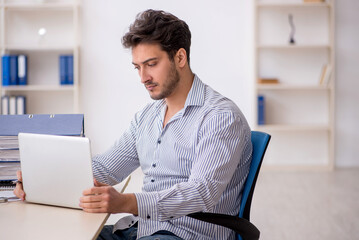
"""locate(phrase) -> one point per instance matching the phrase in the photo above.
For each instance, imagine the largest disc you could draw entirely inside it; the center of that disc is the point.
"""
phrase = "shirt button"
(159, 141)
(148, 216)
(152, 180)
(154, 165)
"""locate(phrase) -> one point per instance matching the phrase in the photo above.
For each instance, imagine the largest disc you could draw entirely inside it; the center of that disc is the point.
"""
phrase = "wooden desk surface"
(21, 220)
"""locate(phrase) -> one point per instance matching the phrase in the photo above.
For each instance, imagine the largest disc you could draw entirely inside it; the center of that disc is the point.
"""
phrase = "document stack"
(12, 125)
(9, 160)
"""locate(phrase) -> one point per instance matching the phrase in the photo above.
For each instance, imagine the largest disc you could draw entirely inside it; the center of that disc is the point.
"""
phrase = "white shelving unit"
(299, 112)
(19, 33)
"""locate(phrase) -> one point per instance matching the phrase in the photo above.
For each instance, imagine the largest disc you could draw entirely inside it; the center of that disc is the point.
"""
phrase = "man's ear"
(181, 57)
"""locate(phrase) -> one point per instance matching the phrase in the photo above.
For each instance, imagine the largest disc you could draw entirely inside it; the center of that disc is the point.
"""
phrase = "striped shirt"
(197, 162)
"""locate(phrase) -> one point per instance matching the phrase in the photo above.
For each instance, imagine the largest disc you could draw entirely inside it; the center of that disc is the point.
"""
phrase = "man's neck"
(177, 100)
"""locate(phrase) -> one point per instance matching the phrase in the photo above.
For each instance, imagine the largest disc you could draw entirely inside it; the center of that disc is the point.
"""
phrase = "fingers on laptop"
(18, 191)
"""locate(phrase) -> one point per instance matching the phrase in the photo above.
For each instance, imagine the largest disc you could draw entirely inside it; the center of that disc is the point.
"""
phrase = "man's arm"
(111, 168)
(105, 199)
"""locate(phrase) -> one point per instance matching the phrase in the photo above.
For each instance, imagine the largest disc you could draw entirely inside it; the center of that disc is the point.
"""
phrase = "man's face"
(158, 73)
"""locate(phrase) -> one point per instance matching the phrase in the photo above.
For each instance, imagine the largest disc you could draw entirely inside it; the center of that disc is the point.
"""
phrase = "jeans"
(131, 234)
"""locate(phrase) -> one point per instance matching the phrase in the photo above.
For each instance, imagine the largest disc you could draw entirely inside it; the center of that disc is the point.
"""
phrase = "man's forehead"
(144, 51)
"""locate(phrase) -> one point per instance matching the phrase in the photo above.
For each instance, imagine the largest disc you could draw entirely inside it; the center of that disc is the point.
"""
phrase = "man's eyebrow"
(146, 61)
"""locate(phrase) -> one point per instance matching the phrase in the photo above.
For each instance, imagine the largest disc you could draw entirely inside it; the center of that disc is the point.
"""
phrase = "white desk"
(21, 220)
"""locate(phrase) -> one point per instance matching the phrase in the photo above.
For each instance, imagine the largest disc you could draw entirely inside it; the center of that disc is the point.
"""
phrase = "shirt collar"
(195, 96)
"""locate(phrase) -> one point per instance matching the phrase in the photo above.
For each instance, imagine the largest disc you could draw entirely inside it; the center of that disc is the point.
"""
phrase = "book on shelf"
(14, 79)
(261, 110)
(268, 81)
(22, 69)
(5, 61)
(5, 105)
(20, 105)
(325, 75)
(14, 69)
(66, 64)
(12, 105)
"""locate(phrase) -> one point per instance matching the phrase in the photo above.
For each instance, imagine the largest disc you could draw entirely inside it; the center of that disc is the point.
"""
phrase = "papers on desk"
(9, 196)
(9, 158)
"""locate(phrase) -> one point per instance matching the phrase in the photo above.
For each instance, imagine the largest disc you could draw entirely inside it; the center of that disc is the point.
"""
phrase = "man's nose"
(145, 77)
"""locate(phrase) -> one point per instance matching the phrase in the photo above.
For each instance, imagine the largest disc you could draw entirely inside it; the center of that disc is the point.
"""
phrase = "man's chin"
(156, 96)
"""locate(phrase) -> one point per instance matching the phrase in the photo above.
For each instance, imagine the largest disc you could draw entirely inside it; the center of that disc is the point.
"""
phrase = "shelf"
(292, 127)
(32, 88)
(307, 46)
(47, 48)
(40, 6)
(290, 87)
(289, 5)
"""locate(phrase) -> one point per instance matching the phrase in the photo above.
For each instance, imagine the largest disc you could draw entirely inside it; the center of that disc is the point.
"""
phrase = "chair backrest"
(260, 141)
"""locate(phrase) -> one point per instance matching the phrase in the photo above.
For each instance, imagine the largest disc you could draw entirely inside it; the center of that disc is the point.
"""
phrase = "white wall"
(111, 91)
(222, 55)
(347, 83)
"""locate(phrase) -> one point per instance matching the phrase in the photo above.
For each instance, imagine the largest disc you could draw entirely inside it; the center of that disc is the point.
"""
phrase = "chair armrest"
(240, 225)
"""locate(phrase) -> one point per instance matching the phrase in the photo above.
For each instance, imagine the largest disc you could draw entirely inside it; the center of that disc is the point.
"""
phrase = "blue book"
(14, 80)
(261, 110)
(5, 59)
(22, 69)
(63, 69)
(70, 69)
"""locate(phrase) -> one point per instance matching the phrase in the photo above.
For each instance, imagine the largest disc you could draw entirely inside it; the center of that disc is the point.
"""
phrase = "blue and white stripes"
(197, 162)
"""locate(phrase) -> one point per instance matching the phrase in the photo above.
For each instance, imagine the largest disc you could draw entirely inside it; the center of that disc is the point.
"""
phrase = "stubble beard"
(168, 87)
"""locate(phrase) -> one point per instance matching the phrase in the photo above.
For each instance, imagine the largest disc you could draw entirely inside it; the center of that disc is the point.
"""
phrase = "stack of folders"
(9, 161)
(11, 105)
(14, 70)
(12, 125)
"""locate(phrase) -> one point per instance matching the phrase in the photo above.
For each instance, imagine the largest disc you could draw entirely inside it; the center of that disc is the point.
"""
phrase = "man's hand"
(19, 191)
(105, 199)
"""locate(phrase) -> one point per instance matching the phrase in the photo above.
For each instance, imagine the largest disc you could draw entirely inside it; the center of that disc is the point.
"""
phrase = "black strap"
(240, 225)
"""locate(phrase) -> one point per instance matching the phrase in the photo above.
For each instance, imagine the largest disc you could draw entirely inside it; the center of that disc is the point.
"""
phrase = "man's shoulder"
(216, 102)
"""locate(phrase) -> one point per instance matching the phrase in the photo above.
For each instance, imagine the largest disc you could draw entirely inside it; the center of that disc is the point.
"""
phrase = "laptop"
(55, 169)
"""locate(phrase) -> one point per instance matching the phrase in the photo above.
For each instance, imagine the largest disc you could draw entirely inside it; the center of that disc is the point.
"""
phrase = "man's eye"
(152, 64)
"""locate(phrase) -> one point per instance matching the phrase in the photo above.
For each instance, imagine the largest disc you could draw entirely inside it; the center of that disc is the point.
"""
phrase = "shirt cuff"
(147, 205)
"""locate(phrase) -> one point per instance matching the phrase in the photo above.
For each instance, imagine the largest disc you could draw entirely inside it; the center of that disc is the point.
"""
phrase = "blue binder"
(261, 110)
(14, 79)
(63, 69)
(5, 59)
(56, 124)
(22, 69)
(70, 70)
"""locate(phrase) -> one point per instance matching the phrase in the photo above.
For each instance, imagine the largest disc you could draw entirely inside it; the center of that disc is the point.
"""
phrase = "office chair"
(240, 224)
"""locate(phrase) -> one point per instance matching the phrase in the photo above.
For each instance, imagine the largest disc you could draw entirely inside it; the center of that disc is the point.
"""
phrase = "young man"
(192, 144)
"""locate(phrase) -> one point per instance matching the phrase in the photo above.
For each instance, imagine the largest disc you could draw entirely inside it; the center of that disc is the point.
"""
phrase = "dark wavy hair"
(159, 27)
